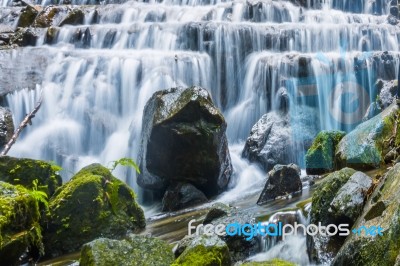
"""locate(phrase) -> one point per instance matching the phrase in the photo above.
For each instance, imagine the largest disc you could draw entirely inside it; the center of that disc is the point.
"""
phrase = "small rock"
(282, 180)
(182, 195)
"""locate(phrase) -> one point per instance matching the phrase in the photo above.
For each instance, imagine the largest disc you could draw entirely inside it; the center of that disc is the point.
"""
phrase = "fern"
(124, 162)
(38, 195)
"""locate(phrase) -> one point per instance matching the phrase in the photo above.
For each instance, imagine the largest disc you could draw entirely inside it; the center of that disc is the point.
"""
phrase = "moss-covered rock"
(133, 251)
(320, 158)
(273, 262)
(22, 171)
(92, 204)
(382, 209)
(217, 210)
(74, 17)
(19, 223)
(367, 145)
(205, 251)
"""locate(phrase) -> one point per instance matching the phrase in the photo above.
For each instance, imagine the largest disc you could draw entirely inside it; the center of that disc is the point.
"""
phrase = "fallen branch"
(27, 120)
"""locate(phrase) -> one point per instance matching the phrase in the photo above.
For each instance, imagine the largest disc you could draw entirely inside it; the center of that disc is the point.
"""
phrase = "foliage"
(128, 162)
(40, 196)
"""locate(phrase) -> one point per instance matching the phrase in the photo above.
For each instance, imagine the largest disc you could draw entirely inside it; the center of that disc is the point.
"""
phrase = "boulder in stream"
(279, 135)
(282, 180)
(183, 140)
(182, 195)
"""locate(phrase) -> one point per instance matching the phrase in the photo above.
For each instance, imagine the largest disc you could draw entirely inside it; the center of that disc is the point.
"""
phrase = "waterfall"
(99, 75)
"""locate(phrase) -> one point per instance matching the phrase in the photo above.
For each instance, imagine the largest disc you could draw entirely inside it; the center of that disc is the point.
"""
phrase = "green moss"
(204, 251)
(325, 193)
(19, 223)
(92, 204)
(133, 251)
(320, 158)
(273, 262)
(21, 171)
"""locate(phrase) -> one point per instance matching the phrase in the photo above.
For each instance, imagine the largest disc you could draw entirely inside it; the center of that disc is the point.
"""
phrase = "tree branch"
(27, 120)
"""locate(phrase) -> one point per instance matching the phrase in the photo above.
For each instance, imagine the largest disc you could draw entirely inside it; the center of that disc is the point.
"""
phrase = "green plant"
(40, 196)
(124, 162)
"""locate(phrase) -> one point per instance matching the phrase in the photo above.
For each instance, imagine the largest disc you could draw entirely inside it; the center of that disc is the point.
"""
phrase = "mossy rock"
(273, 262)
(19, 223)
(92, 204)
(22, 171)
(27, 16)
(382, 209)
(133, 251)
(74, 17)
(320, 158)
(205, 251)
(367, 145)
(326, 192)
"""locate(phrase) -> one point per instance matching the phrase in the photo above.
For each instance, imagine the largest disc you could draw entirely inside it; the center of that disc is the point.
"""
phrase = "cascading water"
(99, 75)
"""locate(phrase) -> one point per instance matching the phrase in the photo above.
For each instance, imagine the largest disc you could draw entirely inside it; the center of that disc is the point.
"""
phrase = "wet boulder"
(282, 180)
(25, 37)
(74, 17)
(23, 171)
(28, 15)
(367, 145)
(6, 126)
(92, 204)
(320, 158)
(349, 201)
(380, 246)
(216, 211)
(20, 232)
(133, 250)
(183, 140)
(325, 193)
(182, 195)
(280, 135)
(205, 250)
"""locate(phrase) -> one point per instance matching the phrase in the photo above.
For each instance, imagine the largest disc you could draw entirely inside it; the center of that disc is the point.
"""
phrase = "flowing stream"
(98, 76)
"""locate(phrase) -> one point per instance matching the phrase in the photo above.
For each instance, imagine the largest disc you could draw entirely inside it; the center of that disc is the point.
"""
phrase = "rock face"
(282, 180)
(19, 230)
(133, 251)
(22, 171)
(368, 144)
(181, 196)
(183, 140)
(205, 251)
(382, 209)
(325, 193)
(387, 91)
(339, 199)
(92, 204)
(217, 210)
(349, 200)
(320, 158)
(275, 138)
(6, 126)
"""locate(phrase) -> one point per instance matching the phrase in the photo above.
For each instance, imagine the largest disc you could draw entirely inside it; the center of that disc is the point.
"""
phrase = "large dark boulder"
(180, 196)
(280, 135)
(372, 143)
(282, 180)
(23, 171)
(183, 140)
(382, 209)
(133, 251)
(92, 204)
(6, 126)
(320, 158)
